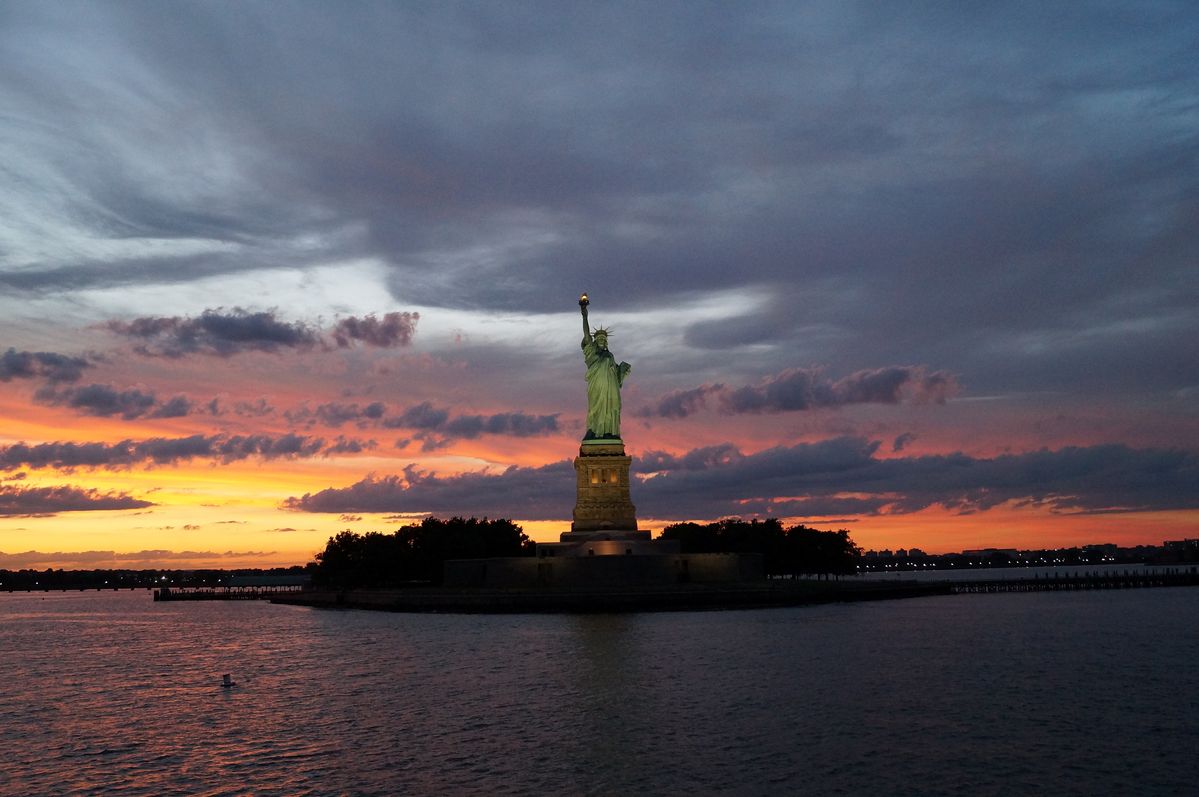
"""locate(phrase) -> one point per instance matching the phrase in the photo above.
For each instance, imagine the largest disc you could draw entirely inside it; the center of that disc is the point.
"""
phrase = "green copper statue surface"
(604, 378)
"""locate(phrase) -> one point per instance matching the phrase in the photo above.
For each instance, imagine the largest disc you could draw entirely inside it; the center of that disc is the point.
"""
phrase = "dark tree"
(794, 551)
(813, 552)
(414, 554)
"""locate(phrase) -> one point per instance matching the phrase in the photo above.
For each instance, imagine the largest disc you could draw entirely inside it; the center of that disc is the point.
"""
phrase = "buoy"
(227, 682)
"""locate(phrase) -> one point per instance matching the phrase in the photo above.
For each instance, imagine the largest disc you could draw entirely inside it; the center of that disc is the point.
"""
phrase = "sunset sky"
(928, 272)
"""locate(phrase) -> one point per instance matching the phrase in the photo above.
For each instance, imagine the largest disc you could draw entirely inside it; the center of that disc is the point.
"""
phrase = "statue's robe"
(604, 378)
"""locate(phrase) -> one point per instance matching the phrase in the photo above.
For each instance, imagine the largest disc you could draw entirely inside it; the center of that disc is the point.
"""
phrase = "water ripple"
(1084, 693)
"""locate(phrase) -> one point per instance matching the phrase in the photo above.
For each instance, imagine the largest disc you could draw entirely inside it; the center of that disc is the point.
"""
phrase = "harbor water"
(1086, 693)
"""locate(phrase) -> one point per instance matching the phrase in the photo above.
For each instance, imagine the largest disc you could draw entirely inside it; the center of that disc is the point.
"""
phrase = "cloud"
(540, 493)
(435, 426)
(436, 430)
(1027, 224)
(844, 475)
(238, 447)
(726, 333)
(695, 459)
(226, 333)
(396, 329)
(345, 445)
(834, 477)
(250, 409)
(516, 424)
(171, 450)
(337, 413)
(419, 416)
(681, 403)
(803, 389)
(130, 404)
(100, 400)
(41, 365)
(797, 389)
(25, 501)
(175, 407)
(215, 332)
(901, 441)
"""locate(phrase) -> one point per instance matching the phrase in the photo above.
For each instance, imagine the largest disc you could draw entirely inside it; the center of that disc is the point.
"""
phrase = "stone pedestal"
(602, 489)
(605, 520)
(607, 543)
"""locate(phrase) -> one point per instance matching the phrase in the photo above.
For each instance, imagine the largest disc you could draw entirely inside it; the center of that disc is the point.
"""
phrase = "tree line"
(414, 554)
(792, 551)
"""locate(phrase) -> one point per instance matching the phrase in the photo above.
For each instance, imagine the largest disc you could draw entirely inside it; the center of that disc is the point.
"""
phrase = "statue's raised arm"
(583, 302)
(604, 380)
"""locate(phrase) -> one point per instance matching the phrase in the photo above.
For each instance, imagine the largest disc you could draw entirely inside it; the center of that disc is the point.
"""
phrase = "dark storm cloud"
(175, 407)
(25, 501)
(101, 400)
(107, 401)
(337, 413)
(834, 477)
(419, 416)
(225, 334)
(172, 450)
(215, 332)
(434, 425)
(334, 414)
(516, 424)
(798, 389)
(1074, 479)
(396, 329)
(1008, 192)
(238, 447)
(695, 459)
(349, 445)
(250, 409)
(526, 493)
(374, 410)
(437, 434)
(681, 403)
(46, 365)
(727, 333)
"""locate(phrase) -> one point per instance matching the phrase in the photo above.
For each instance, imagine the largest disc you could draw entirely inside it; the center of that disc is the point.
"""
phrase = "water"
(1066, 693)
(1019, 573)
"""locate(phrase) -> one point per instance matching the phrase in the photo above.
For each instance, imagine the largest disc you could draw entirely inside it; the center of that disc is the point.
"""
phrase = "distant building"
(1182, 546)
(1179, 551)
(987, 552)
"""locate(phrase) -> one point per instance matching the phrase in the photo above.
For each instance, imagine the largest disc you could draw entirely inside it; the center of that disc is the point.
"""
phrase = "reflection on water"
(1018, 573)
(1076, 693)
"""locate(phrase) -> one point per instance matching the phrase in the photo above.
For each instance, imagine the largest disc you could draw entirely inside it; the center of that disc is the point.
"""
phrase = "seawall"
(683, 597)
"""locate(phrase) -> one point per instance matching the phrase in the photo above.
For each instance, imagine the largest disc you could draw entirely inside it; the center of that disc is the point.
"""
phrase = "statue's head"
(601, 337)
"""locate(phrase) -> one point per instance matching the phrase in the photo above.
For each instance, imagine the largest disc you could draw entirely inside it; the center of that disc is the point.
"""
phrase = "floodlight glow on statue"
(604, 380)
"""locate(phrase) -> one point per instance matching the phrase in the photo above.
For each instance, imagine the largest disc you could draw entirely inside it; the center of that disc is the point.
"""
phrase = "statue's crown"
(601, 331)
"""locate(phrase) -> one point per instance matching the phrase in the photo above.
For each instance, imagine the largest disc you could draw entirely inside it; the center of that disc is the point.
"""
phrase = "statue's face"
(602, 341)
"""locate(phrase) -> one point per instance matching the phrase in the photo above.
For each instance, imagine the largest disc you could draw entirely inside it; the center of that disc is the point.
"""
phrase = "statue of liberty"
(604, 378)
